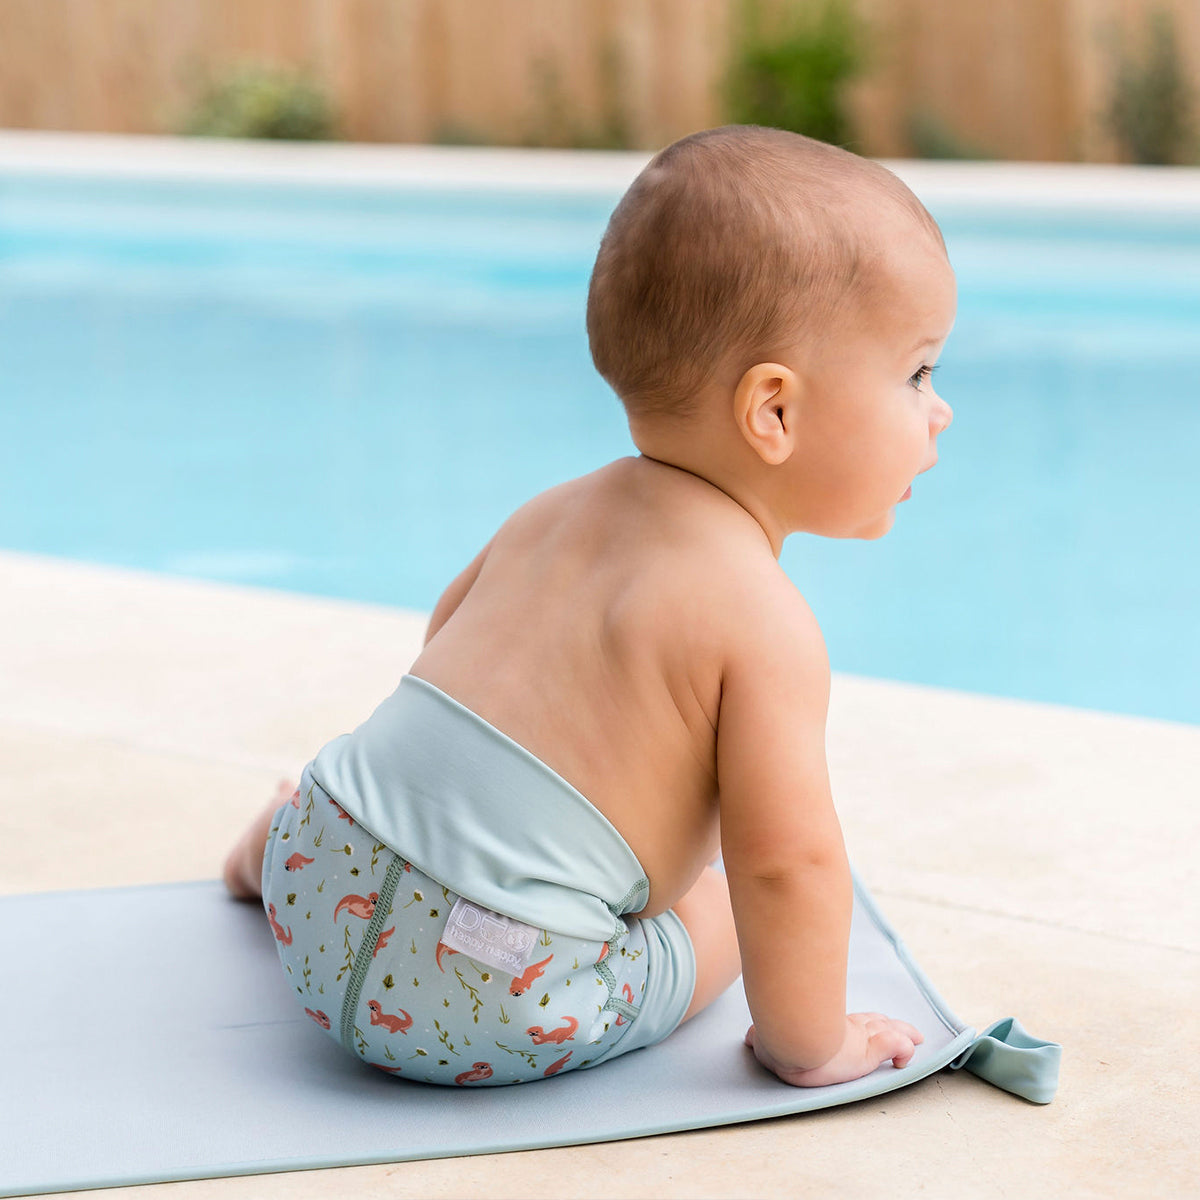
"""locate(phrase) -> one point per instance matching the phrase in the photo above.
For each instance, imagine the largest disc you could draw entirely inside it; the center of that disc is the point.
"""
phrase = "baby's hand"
(871, 1039)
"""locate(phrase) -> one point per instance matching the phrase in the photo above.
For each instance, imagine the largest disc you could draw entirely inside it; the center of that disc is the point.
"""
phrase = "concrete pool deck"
(1040, 862)
(1070, 187)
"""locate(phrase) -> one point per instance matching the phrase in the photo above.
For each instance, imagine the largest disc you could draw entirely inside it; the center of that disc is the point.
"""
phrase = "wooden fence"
(1007, 78)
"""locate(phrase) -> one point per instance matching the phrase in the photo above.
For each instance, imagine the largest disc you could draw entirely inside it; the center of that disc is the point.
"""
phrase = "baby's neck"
(711, 450)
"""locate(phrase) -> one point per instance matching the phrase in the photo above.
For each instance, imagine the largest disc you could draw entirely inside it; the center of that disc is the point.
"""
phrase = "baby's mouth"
(908, 490)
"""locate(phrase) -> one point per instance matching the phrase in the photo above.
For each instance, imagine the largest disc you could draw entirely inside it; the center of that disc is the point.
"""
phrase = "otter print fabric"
(364, 942)
(154, 1024)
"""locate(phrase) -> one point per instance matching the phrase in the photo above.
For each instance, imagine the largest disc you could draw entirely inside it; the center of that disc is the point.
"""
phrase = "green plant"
(556, 120)
(1150, 112)
(931, 137)
(261, 100)
(791, 72)
(459, 133)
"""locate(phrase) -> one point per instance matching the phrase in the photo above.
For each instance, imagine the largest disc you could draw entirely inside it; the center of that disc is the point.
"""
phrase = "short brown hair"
(726, 244)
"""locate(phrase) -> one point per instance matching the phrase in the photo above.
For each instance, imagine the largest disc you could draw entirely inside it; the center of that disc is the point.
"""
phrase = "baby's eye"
(922, 373)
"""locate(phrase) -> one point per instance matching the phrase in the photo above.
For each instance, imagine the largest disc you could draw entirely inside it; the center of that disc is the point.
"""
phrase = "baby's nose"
(941, 416)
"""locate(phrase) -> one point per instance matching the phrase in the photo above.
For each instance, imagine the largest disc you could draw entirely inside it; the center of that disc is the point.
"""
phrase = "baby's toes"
(285, 789)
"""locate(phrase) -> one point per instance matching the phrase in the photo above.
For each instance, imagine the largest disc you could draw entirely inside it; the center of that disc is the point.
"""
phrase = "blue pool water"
(343, 392)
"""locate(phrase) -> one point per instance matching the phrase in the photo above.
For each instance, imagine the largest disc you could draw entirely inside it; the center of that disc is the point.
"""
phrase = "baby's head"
(727, 247)
(741, 246)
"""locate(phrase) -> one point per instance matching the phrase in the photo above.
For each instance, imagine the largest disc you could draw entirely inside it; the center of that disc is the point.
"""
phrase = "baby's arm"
(789, 880)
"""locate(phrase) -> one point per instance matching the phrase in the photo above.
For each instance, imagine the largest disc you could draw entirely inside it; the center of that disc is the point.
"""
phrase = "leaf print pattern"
(418, 1014)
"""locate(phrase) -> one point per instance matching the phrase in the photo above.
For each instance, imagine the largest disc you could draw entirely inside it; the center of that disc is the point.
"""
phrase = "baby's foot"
(285, 790)
(243, 867)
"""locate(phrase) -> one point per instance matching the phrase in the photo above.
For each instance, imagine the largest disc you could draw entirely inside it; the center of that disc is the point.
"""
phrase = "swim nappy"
(456, 931)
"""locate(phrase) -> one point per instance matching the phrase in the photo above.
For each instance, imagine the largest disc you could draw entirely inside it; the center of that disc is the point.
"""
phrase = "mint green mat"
(149, 1035)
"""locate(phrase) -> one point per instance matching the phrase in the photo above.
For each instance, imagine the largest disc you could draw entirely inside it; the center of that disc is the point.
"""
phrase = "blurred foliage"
(260, 100)
(1150, 112)
(459, 133)
(556, 120)
(931, 137)
(791, 66)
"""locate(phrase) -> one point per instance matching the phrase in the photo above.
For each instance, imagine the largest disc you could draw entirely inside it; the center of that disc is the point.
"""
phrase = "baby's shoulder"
(760, 604)
(724, 590)
(656, 546)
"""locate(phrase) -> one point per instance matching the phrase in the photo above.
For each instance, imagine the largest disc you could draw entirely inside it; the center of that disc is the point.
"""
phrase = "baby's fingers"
(894, 1043)
(878, 1018)
(873, 1022)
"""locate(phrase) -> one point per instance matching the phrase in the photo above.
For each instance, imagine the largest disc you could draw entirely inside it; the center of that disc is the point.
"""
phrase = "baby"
(504, 872)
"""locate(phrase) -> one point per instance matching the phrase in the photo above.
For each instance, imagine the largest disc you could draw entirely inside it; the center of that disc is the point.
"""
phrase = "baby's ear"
(765, 408)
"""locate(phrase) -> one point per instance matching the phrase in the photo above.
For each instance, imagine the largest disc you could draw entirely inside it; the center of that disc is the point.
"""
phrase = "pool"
(342, 390)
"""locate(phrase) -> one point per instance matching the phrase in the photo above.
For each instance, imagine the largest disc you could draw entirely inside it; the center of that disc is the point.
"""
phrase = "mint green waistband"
(474, 810)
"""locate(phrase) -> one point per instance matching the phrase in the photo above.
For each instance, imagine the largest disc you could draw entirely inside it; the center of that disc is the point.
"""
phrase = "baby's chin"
(869, 530)
(876, 529)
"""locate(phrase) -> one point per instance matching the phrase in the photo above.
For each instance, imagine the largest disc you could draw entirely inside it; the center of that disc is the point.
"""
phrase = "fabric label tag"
(489, 937)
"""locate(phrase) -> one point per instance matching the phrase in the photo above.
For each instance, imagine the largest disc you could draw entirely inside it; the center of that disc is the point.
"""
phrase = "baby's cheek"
(912, 448)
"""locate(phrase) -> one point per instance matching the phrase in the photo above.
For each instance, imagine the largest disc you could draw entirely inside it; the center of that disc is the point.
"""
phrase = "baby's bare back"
(591, 632)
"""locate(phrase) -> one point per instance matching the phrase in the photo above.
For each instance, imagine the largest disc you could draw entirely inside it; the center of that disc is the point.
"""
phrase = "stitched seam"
(623, 1007)
(614, 1003)
(365, 953)
(605, 973)
(622, 905)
